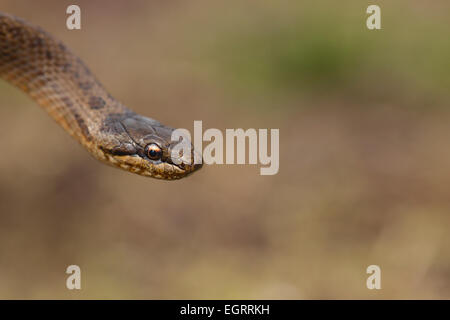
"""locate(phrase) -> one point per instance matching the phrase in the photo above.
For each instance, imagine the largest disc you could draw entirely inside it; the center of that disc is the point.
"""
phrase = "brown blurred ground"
(364, 169)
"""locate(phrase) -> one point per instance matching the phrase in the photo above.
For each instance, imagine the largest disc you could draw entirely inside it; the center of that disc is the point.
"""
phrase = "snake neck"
(44, 68)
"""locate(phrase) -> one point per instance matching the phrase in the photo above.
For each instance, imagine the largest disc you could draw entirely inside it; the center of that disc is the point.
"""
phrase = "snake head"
(144, 146)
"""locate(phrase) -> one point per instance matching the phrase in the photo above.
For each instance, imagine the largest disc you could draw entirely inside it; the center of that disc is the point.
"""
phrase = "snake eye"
(153, 151)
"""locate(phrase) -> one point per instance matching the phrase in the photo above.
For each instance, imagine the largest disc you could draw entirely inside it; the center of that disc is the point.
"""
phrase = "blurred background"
(364, 174)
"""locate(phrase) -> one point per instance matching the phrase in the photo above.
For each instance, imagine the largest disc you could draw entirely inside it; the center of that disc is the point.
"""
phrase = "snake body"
(44, 68)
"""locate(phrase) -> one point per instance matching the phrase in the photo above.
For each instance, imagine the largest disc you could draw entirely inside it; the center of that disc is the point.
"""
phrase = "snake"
(60, 82)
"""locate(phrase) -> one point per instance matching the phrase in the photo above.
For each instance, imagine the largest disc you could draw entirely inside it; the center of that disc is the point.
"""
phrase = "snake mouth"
(166, 168)
(187, 168)
(179, 167)
(158, 170)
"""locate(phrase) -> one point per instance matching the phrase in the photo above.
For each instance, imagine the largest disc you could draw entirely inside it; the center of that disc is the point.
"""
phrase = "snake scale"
(43, 67)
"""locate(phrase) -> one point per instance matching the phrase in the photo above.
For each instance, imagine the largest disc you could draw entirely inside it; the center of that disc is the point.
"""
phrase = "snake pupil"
(154, 152)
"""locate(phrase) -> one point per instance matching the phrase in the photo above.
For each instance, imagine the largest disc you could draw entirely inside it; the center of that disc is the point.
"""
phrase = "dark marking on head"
(113, 119)
(121, 150)
(49, 55)
(96, 103)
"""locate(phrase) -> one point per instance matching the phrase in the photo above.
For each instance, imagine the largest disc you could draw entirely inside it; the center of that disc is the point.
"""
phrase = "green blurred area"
(327, 49)
(364, 155)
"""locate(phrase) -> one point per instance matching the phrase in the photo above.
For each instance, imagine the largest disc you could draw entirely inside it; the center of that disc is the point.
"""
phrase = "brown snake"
(59, 81)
